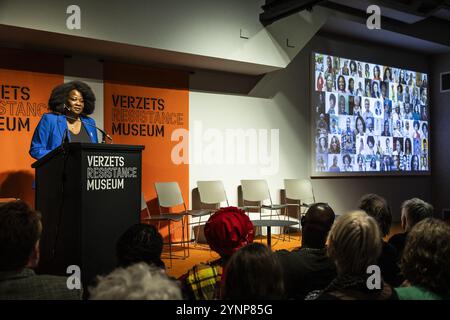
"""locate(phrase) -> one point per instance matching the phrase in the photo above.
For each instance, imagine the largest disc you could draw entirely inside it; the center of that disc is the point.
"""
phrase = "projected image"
(369, 117)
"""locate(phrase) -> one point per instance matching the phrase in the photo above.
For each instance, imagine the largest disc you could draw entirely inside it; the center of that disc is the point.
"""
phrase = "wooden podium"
(88, 194)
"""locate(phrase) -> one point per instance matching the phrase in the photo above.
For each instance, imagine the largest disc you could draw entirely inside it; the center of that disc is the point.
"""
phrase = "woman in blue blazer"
(70, 104)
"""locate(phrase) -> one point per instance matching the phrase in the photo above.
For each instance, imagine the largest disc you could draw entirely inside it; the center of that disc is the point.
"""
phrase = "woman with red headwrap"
(226, 231)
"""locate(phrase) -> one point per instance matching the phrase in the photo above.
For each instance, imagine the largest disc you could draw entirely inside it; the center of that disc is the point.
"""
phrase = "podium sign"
(88, 194)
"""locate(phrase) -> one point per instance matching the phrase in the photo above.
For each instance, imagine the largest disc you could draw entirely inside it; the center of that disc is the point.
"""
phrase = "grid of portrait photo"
(369, 117)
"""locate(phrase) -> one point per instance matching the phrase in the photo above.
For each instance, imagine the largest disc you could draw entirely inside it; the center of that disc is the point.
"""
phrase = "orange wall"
(142, 90)
(23, 99)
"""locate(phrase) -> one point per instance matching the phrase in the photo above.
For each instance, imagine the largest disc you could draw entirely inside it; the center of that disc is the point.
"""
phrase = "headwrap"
(228, 229)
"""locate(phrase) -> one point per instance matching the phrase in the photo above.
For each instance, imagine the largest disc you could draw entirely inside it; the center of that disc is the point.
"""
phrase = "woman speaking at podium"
(70, 103)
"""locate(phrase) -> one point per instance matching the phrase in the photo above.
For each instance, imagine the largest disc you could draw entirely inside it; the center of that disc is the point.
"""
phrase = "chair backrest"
(255, 190)
(169, 194)
(212, 192)
(299, 189)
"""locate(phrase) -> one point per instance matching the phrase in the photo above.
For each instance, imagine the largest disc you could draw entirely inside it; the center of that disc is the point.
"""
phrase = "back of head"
(415, 210)
(137, 282)
(227, 230)
(316, 224)
(354, 242)
(253, 272)
(378, 208)
(425, 261)
(20, 230)
(140, 243)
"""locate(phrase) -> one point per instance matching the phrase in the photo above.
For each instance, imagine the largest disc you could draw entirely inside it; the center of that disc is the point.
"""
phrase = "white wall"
(284, 104)
(221, 112)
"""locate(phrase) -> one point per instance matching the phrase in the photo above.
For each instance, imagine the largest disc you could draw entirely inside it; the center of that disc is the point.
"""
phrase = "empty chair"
(301, 191)
(167, 217)
(169, 195)
(211, 193)
(258, 191)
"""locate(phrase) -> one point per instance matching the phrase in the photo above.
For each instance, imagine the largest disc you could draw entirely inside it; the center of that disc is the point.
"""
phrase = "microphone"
(104, 134)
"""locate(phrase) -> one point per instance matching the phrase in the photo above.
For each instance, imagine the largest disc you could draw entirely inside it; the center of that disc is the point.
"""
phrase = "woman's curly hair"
(425, 261)
(60, 94)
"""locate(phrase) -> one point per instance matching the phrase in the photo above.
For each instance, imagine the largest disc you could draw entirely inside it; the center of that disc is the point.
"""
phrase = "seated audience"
(136, 282)
(309, 268)
(140, 243)
(425, 262)
(253, 272)
(377, 207)
(226, 231)
(20, 231)
(413, 211)
(354, 245)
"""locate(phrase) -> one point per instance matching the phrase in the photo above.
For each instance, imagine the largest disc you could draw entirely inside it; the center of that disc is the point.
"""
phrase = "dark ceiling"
(422, 25)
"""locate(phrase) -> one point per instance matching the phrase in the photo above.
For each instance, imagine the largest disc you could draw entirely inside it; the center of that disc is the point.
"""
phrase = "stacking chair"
(169, 195)
(212, 193)
(300, 191)
(169, 218)
(258, 191)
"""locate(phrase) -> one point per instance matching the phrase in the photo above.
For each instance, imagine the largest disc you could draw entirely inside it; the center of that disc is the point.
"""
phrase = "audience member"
(140, 243)
(140, 281)
(377, 207)
(253, 272)
(425, 262)
(20, 231)
(309, 268)
(354, 245)
(413, 211)
(226, 231)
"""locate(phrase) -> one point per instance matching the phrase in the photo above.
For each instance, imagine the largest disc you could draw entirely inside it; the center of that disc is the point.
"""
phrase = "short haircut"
(140, 243)
(425, 261)
(60, 94)
(316, 224)
(416, 210)
(378, 208)
(354, 242)
(137, 282)
(20, 229)
(332, 97)
(247, 274)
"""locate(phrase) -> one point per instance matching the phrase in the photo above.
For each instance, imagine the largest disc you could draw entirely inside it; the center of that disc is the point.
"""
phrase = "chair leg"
(183, 245)
(187, 237)
(170, 247)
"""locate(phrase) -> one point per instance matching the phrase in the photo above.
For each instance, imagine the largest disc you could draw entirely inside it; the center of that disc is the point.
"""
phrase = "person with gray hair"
(354, 245)
(136, 282)
(413, 211)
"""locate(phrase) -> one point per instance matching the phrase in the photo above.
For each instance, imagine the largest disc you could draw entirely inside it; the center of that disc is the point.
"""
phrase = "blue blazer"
(50, 131)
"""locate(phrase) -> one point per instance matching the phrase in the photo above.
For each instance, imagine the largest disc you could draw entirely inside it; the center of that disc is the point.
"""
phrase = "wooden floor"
(201, 252)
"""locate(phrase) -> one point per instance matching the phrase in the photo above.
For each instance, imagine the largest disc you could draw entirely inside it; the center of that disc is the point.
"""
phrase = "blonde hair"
(354, 242)
(136, 282)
